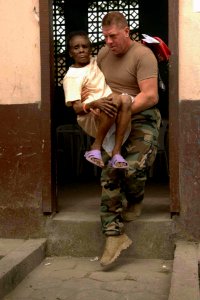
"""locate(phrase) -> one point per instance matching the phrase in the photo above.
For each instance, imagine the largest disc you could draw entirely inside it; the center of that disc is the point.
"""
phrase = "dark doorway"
(150, 17)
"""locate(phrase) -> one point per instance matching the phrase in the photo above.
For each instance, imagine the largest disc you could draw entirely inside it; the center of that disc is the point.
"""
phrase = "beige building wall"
(189, 47)
(19, 52)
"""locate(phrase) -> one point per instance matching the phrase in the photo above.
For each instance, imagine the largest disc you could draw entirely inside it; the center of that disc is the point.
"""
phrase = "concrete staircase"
(20, 258)
(75, 232)
(80, 235)
(75, 229)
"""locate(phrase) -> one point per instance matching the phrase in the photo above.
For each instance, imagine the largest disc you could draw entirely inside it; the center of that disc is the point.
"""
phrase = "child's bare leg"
(94, 155)
(122, 121)
(104, 125)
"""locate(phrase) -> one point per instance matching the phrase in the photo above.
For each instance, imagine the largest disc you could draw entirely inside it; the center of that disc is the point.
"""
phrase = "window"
(95, 12)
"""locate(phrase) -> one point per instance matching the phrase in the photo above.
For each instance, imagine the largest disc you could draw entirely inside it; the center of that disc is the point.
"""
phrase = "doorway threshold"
(82, 199)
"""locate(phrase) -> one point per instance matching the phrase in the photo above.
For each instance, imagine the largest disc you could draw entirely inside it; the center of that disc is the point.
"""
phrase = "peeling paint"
(18, 154)
(36, 14)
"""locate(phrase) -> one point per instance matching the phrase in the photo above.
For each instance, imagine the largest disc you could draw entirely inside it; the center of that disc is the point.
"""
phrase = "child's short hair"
(77, 33)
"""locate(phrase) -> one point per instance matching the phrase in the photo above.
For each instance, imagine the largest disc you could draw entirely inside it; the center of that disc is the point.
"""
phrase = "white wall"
(189, 50)
(19, 52)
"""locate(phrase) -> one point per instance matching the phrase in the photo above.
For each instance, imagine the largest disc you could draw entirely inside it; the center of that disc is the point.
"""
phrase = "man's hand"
(105, 105)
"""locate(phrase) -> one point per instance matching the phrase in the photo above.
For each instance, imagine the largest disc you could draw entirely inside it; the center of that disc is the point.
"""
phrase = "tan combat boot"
(132, 212)
(114, 246)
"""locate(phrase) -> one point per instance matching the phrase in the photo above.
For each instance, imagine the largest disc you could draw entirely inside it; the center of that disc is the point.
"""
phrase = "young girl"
(113, 124)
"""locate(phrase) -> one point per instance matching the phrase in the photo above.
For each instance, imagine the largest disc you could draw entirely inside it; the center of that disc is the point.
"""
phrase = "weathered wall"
(19, 52)
(21, 171)
(189, 162)
(21, 141)
(189, 116)
(20, 120)
(189, 45)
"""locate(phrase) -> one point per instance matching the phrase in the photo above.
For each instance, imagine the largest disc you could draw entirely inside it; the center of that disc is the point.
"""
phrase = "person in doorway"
(115, 109)
(129, 67)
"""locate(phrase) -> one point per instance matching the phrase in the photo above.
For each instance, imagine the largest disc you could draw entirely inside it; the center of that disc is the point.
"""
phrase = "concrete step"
(75, 230)
(8, 245)
(79, 234)
(83, 278)
(185, 275)
(19, 257)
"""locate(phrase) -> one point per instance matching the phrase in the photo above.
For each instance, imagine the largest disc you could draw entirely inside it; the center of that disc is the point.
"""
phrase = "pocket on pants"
(142, 156)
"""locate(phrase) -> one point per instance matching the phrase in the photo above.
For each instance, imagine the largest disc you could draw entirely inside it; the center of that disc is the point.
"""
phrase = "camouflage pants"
(124, 187)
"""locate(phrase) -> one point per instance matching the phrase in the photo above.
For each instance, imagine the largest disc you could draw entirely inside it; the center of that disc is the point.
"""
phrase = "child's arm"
(105, 105)
(79, 107)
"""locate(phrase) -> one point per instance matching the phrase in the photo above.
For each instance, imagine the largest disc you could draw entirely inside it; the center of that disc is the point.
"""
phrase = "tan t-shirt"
(123, 73)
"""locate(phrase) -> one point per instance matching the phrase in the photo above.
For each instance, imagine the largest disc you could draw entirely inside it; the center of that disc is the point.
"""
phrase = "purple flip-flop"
(94, 156)
(115, 160)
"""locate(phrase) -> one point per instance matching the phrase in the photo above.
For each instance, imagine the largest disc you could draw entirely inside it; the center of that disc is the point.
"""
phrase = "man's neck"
(128, 45)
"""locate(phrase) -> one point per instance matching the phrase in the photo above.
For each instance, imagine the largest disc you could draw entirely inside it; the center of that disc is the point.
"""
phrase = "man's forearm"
(142, 102)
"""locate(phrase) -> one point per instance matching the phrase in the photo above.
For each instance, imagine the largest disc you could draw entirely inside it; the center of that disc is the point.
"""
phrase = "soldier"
(129, 67)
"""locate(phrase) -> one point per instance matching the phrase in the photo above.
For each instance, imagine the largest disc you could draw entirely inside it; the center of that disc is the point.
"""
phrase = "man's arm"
(148, 96)
(105, 105)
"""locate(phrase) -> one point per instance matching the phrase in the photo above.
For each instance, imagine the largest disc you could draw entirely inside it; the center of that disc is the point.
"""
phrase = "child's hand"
(84, 94)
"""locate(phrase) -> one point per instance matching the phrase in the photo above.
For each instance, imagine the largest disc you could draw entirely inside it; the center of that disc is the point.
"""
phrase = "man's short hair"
(114, 18)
